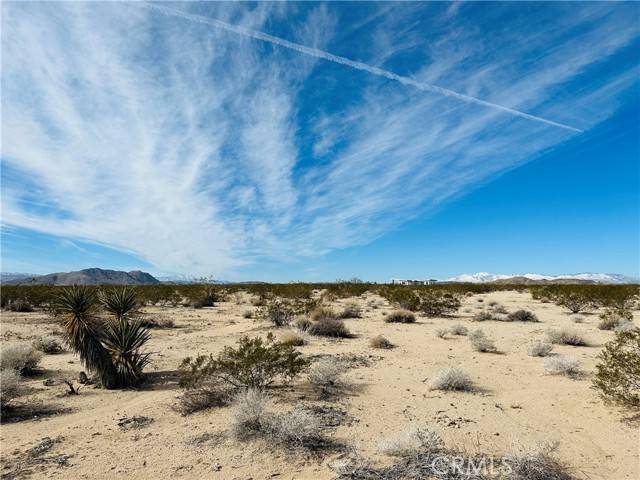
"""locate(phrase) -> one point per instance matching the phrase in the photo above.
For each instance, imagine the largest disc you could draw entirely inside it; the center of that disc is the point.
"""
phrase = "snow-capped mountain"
(483, 277)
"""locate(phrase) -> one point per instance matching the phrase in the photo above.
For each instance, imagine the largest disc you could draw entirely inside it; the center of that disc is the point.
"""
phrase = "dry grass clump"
(380, 342)
(23, 359)
(48, 344)
(20, 305)
(400, 316)
(540, 348)
(538, 464)
(157, 322)
(496, 307)
(441, 332)
(325, 374)
(451, 379)
(295, 338)
(483, 316)
(329, 327)
(207, 395)
(9, 387)
(411, 440)
(562, 365)
(293, 429)
(613, 317)
(303, 324)
(577, 318)
(624, 327)
(321, 313)
(567, 336)
(522, 316)
(481, 343)
(351, 310)
(458, 330)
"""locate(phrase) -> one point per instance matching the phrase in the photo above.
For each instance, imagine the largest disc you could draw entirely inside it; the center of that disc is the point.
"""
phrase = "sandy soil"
(518, 403)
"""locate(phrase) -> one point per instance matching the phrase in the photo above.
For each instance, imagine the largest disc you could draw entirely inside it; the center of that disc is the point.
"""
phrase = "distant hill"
(88, 276)
(536, 278)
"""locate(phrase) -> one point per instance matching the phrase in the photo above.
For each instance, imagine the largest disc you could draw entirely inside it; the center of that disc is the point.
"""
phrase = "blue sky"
(312, 141)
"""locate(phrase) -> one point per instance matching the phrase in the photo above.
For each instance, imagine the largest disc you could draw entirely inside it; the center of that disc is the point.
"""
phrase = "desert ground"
(517, 404)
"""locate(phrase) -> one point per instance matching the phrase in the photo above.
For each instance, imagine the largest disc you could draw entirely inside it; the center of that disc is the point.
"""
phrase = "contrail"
(314, 52)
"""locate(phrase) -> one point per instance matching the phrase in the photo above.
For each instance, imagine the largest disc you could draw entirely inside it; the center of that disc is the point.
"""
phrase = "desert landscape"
(366, 399)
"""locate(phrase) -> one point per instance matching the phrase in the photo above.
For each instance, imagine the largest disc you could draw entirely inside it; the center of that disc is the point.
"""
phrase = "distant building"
(400, 281)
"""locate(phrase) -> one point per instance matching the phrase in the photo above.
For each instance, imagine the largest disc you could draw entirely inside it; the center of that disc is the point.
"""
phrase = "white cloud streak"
(314, 52)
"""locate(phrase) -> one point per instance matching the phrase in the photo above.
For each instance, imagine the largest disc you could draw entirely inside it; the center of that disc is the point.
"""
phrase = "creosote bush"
(566, 336)
(48, 344)
(451, 379)
(435, 303)
(540, 348)
(617, 375)
(562, 365)
(481, 343)
(522, 316)
(380, 342)
(400, 316)
(9, 387)
(278, 312)
(23, 359)
(254, 363)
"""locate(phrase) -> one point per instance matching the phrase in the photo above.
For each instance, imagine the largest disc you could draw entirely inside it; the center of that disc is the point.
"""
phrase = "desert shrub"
(575, 301)
(522, 316)
(612, 317)
(205, 396)
(303, 324)
(278, 312)
(329, 327)
(325, 374)
(48, 344)
(483, 316)
(20, 305)
(351, 310)
(380, 342)
(400, 316)
(617, 374)
(451, 379)
(540, 348)
(157, 322)
(208, 297)
(577, 318)
(496, 307)
(435, 303)
(254, 363)
(250, 412)
(247, 314)
(410, 441)
(323, 313)
(562, 365)
(458, 330)
(566, 336)
(538, 464)
(480, 300)
(294, 338)
(9, 387)
(23, 359)
(404, 298)
(259, 301)
(481, 343)
(441, 332)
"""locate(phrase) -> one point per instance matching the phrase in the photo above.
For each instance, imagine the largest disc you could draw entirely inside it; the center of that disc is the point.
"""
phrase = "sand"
(517, 403)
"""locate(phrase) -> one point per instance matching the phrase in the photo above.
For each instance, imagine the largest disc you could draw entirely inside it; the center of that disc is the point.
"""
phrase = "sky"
(314, 141)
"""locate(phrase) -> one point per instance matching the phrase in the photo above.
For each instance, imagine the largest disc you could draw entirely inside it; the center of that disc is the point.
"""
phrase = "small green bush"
(254, 363)
(278, 312)
(435, 303)
(618, 374)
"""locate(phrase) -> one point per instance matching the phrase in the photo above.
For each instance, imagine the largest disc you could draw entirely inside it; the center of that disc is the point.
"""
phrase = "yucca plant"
(120, 302)
(124, 339)
(77, 306)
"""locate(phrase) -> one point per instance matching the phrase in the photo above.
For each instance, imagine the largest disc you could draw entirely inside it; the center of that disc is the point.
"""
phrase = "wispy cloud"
(201, 149)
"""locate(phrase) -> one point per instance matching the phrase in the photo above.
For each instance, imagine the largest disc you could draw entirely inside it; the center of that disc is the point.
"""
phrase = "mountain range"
(88, 276)
(532, 278)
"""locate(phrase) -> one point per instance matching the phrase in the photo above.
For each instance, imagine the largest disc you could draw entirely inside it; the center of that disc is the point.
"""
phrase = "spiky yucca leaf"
(124, 340)
(76, 305)
(120, 302)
